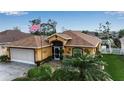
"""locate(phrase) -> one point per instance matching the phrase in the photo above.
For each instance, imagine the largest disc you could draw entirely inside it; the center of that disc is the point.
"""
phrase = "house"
(92, 33)
(122, 45)
(9, 36)
(33, 49)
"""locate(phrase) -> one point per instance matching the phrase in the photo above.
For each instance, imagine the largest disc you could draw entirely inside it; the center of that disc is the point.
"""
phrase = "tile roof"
(30, 42)
(12, 35)
(75, 38)
(81, 39)
(65, 36)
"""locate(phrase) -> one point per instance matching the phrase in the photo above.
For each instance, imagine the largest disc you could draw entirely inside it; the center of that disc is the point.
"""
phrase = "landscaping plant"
(4, 58)
(76, 68)
(89, 67)
(43, 72)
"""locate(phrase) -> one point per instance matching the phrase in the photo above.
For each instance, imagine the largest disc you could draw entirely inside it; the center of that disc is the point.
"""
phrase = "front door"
(56, 53)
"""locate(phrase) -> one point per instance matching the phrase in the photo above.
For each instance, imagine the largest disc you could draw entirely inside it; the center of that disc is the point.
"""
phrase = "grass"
(115, 66)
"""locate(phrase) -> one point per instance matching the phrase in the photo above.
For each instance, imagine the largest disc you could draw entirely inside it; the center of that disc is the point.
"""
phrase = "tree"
(89, 67)
(76, 68)
(100, 26)
(117, 42)
(106, 29)
(47, 28)
(85, 31)
(35, 21)
(35, 26)
(121, 33)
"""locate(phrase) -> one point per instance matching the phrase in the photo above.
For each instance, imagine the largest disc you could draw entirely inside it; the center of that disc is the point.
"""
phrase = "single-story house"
(34, 49)
(9, 36)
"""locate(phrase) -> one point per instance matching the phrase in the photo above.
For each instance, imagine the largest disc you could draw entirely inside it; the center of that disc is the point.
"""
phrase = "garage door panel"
(22, 55)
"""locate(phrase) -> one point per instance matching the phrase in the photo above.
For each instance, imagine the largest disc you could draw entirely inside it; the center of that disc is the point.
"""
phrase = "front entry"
(56, 53)
(56, 50)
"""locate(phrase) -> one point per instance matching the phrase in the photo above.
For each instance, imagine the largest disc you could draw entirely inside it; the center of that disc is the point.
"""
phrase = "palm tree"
(89, 67)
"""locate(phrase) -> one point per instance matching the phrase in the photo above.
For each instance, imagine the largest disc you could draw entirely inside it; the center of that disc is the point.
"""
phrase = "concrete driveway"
(10, 71)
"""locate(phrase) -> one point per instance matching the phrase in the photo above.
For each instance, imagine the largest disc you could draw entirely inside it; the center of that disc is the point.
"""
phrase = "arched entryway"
(57, 48)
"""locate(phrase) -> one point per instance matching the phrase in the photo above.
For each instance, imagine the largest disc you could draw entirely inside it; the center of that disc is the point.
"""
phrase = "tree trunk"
(82, 76)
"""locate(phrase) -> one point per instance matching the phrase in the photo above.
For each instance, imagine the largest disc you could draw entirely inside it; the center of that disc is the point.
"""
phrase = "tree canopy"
(45, 28)
(105, 29)
(121, 33)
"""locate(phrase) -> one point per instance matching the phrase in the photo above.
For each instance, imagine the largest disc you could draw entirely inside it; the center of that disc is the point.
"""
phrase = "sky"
(71, 20)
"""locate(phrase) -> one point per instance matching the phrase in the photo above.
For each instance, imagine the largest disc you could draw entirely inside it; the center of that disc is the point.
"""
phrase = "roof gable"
(62, 35)
(81, 39)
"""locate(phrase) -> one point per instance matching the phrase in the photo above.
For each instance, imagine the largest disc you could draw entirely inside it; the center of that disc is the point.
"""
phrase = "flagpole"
(41, 41)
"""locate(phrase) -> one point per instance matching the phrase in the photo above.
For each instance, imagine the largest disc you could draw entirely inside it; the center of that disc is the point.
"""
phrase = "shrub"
(34, 72)
(43, 72)
(63, 74)
(22, 79)
(46, 72)
(4, 58)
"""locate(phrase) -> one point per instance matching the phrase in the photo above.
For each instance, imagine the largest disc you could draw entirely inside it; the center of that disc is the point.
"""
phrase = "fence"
(117, 51)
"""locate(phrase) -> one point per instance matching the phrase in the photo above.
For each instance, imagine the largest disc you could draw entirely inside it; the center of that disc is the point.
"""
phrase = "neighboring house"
(122, 45)
(9, 36)
(33, 49)
(92, 33)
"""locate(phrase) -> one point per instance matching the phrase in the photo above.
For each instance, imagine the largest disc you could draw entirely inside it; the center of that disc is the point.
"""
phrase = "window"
(77, 51)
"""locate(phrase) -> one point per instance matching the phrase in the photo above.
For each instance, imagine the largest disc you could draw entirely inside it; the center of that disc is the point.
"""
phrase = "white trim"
(20, 61)
(46, 46)
(28, 47)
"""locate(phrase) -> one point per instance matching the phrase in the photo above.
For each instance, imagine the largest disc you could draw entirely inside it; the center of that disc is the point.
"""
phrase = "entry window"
(57, 52)
(77, 51)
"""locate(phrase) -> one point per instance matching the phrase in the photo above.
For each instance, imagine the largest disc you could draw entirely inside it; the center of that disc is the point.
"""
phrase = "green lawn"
(115, 66)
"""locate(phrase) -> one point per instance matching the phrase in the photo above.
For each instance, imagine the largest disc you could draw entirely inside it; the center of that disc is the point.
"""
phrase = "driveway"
(10, 71)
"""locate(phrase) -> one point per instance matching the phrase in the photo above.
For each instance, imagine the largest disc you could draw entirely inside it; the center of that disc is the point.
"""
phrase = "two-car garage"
(22, 55)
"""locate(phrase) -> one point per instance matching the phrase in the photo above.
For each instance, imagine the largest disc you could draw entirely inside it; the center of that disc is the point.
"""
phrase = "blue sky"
(83, 20)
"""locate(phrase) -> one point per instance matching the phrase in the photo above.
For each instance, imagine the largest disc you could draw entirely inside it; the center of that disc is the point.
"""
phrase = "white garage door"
(22, 55)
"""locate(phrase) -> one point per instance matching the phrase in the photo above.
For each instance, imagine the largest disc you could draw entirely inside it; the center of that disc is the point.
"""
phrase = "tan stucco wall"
(99, 47)
(43, 53)
(90, 50)
(3, 50)
(69, 50)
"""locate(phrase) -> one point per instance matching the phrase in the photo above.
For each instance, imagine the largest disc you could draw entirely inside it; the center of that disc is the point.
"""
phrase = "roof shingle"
(12, 35)
(30, 42)
(81, 39)
(77, 39)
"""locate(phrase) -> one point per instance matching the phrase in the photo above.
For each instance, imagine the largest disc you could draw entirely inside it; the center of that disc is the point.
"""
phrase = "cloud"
(14, 13)
(119, 14)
